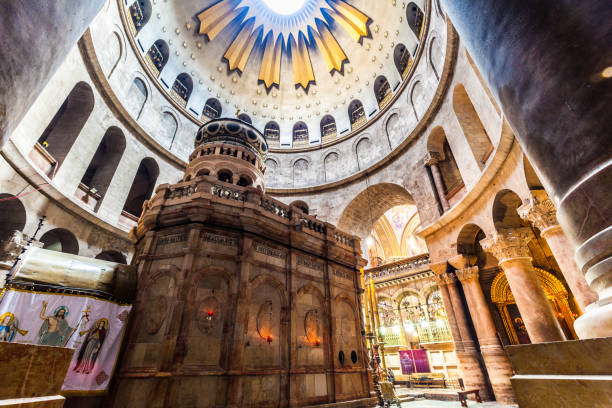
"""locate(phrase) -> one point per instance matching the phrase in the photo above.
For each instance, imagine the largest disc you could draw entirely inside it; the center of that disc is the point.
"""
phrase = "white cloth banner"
(93, 327)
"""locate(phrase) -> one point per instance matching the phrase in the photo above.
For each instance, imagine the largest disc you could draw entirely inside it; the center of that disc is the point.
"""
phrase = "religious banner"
(93, 327)
(414, 361)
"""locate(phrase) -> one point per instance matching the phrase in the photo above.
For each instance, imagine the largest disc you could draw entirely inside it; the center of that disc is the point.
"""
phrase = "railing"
(435, 332)
(392, 339)
(182, 191)
(404, 265)
(313, 225)
(275, 208)
(226, 192)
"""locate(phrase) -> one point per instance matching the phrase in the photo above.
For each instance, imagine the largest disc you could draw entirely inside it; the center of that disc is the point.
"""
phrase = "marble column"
(466, 349)
(432, 159)
(33, 45)
(558, 104)
(541, 212)
(510, 248)
(495, 358)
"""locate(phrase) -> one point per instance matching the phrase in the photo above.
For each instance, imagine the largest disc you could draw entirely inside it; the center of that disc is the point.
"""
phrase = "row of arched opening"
(58, 138)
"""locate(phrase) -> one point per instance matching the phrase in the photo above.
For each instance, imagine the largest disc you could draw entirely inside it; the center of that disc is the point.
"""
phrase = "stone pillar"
(509, 246)
(540, 211)
(27, 28)
(495, 358)
(432, 159)
(562, 122)
(465, 347)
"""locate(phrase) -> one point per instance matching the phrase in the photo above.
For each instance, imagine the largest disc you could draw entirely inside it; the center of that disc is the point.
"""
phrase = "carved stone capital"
(439, 268)
(462, 261)
(432, 158)
(539, 210)
(508, 243)
(467, 274)
(448, 278)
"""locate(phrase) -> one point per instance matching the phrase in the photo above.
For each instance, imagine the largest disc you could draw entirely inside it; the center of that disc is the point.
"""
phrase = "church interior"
(305, 203)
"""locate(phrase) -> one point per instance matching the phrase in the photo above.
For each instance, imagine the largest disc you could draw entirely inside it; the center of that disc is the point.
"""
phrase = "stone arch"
(137, 96)
(364, 153)
(449, 171)
(61, 240)
(182, 88)
(369, 205)
(114, 50)
(142, 186)
(331, 165)
(403, 293)
(157, 56)
(212, 108)
(104, 162)
(66, 125)
(300, 171)
(473, 129)
(415, 18)
(416, 94)
(168, 128)
(427, 290)
(271, 164)
(140, 14)
(401, 58)
(436, 56)
(211, 270)
(302, 205)
(13, 216)
(112, 256)
(346, 339)
(391, 127)
(504, 211)
(312, 290)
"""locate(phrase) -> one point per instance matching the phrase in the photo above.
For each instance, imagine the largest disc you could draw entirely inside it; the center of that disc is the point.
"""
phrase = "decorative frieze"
(219, 239)
(269, 251)
(309, 263)
(539, 209)
(508, 244)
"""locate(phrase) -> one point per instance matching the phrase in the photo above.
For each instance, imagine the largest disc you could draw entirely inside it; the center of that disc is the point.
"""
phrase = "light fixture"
(269, 339)
(284, 7)
(396, 329)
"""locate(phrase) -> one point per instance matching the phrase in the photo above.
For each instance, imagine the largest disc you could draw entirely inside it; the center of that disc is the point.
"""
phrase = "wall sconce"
(210, 314)
(317, 342)
(269, 339)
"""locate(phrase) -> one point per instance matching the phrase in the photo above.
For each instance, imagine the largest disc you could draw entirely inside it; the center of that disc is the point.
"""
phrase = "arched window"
(212, 109)
(300, 172)
(382, 91)
(67, 123)
(136, 98)
(301, 205)
(328, 127)
(112, 256)
(140, 13)
(61, 240)
(157, 56)
(167, 129)
(333, 167)
(245, 181)
(356, 114)
(245, 118)
(225, 176)
(300, 134)
(102, 167)
(401, 57)
(181, 89)
(414, 17)
(12, 216)
(142, 187)
(272, 131)
(473, 128)
(452, 181)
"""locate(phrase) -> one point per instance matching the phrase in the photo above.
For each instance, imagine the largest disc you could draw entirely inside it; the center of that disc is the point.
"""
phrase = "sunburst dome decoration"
(294, 34)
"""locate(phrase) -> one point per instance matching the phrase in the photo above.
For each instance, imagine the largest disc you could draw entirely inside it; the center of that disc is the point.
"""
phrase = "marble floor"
(451, 404)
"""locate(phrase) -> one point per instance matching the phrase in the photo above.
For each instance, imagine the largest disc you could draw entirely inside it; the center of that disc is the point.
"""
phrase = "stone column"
(432, 159)
(32, 47)
(540, 211)
(495, 358)
(562, 122)
(465, 348)
(509, 246)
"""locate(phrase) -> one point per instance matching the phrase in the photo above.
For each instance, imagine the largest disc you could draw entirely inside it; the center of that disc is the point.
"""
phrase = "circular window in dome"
(284, 7)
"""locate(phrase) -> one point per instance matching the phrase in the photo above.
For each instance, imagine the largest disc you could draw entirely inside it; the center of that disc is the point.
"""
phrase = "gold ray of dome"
(313, 33)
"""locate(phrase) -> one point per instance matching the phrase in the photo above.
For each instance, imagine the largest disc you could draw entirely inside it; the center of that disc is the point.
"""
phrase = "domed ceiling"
(305, 72)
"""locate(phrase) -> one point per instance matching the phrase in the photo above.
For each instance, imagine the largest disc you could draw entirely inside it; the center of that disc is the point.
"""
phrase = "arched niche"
(167, 129)
(453, 185)
(272, 131)
(382, 90)
(142, 186)
(13, 216)
(332, 166)
(245, 118)
(356, 114)
(328, 127)
(157, 56)
(504, 212)
(402, 59)
(473, 129)
(140, 13)
(301, 205)
(212, 109)
(136, 97)
(63, 130)
(415, 18)
(300, 171)
(182, 88)
(436, 57)
(346, 335)
(61, 240)
(300, 134)
(102, 167)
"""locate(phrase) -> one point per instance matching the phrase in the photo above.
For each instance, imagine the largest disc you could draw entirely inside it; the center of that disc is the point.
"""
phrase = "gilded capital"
(508, 243)
(467, 274)
(539, 210)
(432, 158)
